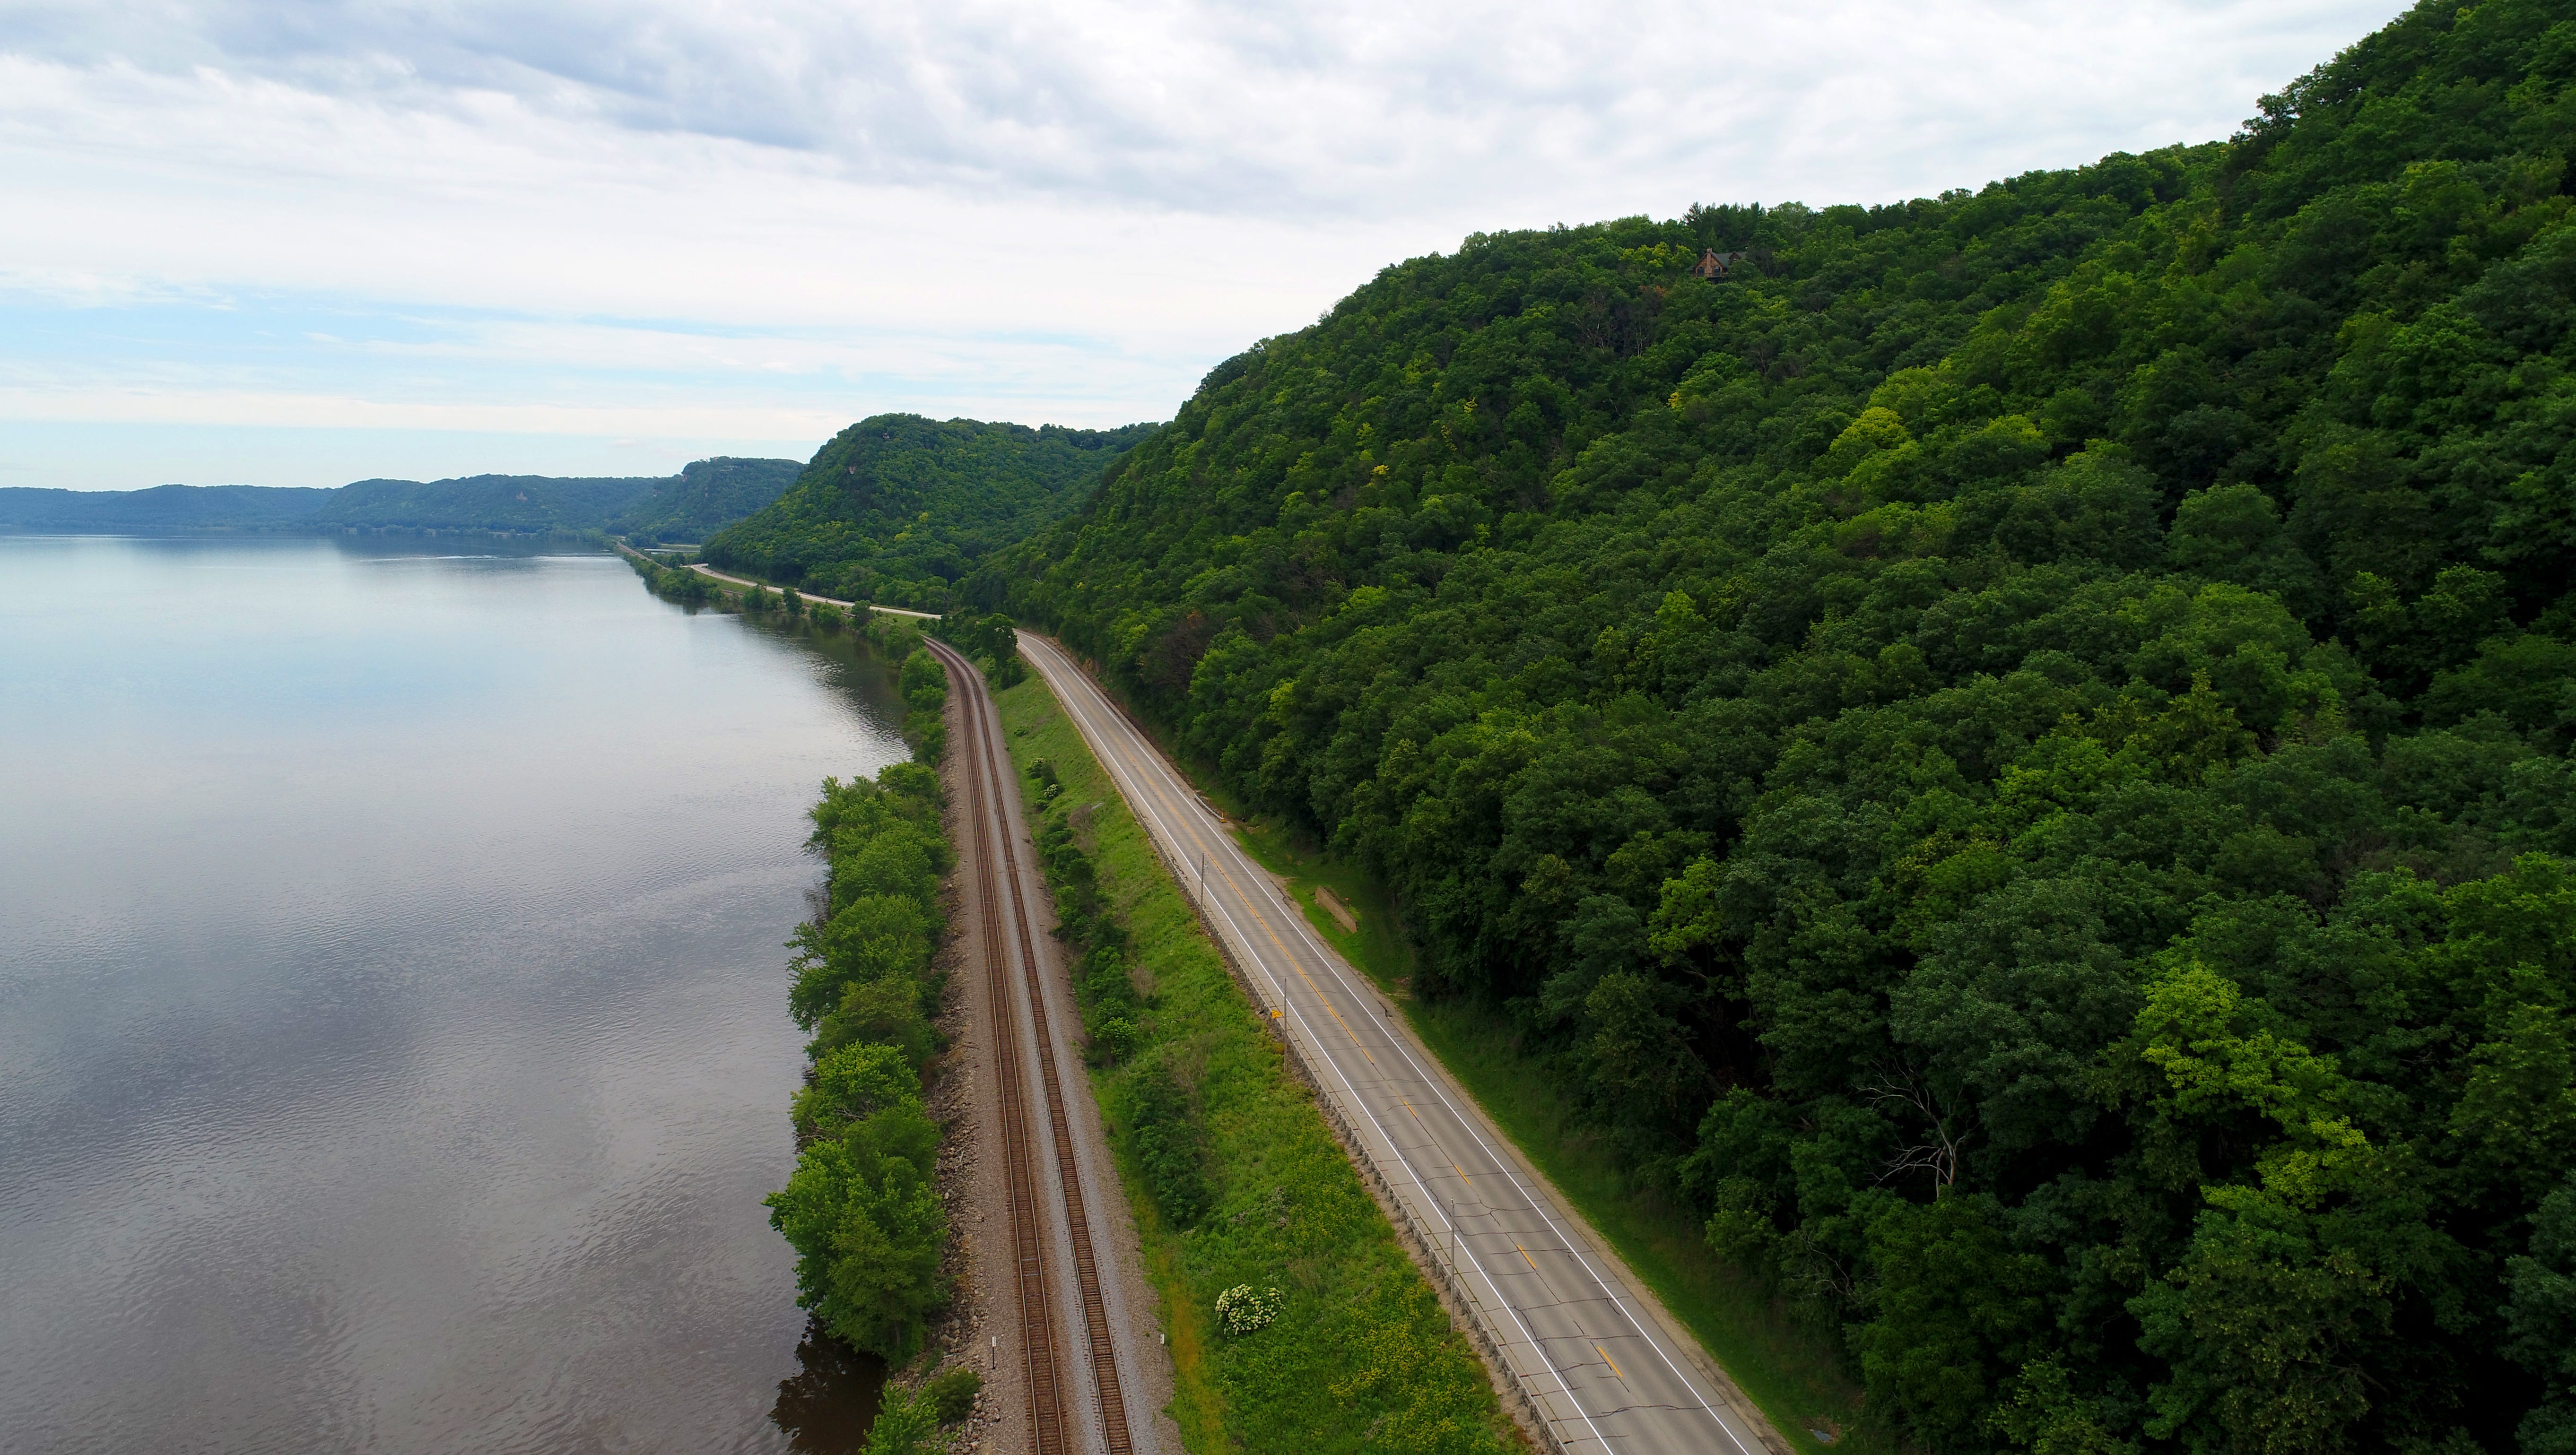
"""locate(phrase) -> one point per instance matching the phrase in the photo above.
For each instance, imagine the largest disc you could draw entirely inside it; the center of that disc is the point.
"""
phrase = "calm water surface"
(392, 1039)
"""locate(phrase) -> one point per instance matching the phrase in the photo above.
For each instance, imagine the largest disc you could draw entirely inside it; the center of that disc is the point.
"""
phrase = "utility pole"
(1451, 1224)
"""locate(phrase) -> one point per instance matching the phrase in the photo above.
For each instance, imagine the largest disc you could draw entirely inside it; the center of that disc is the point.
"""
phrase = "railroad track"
(1051, 1402)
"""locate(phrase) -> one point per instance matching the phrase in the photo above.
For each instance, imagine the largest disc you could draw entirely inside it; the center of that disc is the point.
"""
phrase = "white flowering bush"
(1244, 1309)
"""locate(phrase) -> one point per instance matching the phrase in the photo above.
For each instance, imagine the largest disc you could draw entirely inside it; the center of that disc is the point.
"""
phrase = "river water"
(393, 1049)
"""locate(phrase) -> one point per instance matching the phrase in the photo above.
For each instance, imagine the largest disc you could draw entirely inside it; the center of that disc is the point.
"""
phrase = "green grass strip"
(1362, 1358)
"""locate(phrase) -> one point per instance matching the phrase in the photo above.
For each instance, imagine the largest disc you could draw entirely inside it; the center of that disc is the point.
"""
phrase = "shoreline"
(711, 573)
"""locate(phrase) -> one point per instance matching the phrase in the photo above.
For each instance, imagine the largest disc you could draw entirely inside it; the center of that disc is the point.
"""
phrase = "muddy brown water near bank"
(393, 1051)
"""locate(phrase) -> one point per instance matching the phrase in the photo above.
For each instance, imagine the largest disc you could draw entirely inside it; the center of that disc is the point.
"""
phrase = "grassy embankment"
(1362, 1357)
(1785, 1365)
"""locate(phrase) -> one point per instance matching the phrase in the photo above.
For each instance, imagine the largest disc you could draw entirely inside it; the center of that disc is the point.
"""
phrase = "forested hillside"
(897, 507)
(484, 502)
(702, 497)
(707, 496)
(2013, 750)
(162, 507)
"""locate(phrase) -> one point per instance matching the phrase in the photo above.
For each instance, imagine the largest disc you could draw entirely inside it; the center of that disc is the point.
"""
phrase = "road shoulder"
(1585, 1245)
(1363, 1349)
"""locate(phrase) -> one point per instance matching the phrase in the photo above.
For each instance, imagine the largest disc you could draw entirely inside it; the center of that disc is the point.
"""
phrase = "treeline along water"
(390, 1045)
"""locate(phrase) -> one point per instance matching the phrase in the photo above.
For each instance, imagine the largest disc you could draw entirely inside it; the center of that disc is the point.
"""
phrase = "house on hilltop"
(1713, 264)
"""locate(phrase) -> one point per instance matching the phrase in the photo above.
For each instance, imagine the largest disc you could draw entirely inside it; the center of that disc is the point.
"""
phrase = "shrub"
(1170, 1146)
(854, 1085)
(906, 1424)
(1244, 1309)
(925, 692)
(1103, 978)
(951, 1393)
(1114, 1040)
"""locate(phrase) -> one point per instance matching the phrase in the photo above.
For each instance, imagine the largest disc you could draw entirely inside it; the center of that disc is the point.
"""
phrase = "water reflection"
(827, 1406)
(392, 1041)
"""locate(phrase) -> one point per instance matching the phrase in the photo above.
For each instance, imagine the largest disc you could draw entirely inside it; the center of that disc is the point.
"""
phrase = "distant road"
(706, 570)
(1604, 1366)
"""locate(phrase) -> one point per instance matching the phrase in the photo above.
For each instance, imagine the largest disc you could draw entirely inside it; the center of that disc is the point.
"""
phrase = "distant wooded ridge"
(703, 497)
(896, 509)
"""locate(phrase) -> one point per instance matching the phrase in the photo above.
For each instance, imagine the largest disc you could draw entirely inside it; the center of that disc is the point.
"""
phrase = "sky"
(299, 242)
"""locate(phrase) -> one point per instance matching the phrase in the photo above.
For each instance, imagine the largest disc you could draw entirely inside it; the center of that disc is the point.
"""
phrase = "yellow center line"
(1252, 908)
(1196, 836)
(1351, 1035)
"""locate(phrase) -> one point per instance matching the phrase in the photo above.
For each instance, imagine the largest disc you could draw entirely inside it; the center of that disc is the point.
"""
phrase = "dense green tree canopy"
(862, 1210)
(162, 507)
(707, 496)
(484, 502)
(897, 507)
(2013, 748)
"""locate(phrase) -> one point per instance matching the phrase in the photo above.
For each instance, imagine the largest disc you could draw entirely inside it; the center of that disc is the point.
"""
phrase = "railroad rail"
(1019, 1172)
(996, 858)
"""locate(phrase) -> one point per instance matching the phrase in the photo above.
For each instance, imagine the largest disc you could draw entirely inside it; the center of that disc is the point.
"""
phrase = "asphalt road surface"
(1603, 1365)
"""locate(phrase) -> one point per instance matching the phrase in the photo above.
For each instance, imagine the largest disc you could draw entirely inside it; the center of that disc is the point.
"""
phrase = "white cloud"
(1286, 111)
(232, 409)
(972, 204)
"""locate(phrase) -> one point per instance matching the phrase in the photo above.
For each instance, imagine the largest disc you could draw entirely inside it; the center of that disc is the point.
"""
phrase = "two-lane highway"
(1602, 1366)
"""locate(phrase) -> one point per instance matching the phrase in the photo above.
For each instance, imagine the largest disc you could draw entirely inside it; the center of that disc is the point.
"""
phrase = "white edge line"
(1527, 1333)
(1537, 1205)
